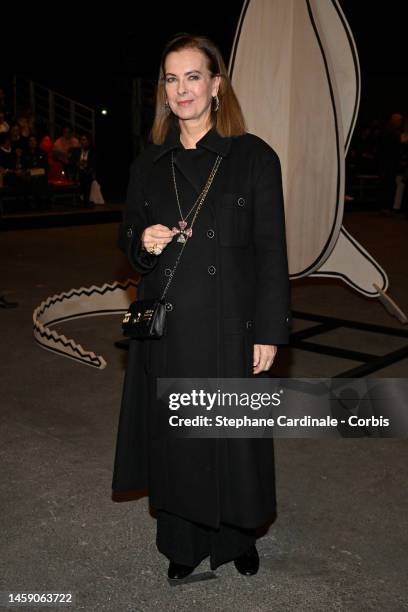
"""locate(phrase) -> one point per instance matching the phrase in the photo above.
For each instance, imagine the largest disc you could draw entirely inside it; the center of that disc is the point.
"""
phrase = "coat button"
(129, 232)
(241, 201)
(146, 203)
(210, 233)
(169, 306)
(211, 270)
(248, 324)
(167, 271)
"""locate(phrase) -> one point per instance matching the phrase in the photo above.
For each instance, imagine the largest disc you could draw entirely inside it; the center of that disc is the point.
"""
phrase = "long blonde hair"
(228, 120)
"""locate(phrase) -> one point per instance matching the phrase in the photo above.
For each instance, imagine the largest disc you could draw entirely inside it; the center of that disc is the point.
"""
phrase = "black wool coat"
(230, 291)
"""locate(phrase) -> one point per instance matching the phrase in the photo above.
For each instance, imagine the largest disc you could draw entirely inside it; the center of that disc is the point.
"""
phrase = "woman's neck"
(189, 136)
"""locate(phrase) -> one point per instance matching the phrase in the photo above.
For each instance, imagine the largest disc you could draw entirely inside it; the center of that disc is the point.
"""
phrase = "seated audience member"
(55, 168)
(6, 160)
(46, 144)
(4, 126)
(11, 166)
(26, 119)
(34, 157)
(25, 128)
(5, 150)
(3, 103)
(19, 134)
(83, 166)
(35, 166)
(64, 145)
(4, 106)
(17, 142)
(389, 155)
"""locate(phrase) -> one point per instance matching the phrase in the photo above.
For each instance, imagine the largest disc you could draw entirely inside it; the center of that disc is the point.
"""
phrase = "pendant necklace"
(182, 230)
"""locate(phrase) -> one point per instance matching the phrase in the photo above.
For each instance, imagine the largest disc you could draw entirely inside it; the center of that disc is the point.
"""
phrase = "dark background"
(90, 52)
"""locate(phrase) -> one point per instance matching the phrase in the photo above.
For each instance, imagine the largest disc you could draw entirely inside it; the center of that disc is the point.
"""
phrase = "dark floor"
(58, 214)
(340, 541)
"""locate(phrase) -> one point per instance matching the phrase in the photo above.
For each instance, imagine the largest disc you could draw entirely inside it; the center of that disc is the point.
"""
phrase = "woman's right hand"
(157, 234)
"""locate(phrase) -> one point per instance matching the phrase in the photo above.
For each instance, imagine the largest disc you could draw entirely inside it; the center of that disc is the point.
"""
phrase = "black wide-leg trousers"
(188, 543)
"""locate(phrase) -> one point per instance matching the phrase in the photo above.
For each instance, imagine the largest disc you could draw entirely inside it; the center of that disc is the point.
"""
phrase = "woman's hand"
(157, 234)
(264, 354)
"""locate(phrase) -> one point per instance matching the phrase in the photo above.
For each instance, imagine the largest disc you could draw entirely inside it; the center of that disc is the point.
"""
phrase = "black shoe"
(248, 563)
(177, 571)
(6, 304)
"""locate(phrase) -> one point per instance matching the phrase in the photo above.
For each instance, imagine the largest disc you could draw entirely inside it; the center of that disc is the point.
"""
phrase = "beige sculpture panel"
(280, 74)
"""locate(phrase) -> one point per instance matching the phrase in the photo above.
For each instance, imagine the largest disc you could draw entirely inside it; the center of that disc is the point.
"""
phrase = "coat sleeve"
(272, 306)
(135, 220)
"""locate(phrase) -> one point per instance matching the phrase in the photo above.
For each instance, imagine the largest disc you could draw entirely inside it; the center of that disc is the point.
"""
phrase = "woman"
(83, 167)
(227, 308)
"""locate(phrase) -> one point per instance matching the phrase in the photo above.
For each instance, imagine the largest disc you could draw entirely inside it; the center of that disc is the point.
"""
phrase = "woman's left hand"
(264, 354)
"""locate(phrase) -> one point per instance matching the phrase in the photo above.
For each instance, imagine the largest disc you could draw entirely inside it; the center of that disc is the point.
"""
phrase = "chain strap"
(177, 195)
(201, 199)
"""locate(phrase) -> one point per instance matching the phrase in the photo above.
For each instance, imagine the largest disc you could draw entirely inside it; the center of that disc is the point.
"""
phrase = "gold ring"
(155, 249)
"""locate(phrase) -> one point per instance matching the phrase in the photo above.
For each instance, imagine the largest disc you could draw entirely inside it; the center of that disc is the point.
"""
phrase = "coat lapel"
(196, 167)
(190, 163)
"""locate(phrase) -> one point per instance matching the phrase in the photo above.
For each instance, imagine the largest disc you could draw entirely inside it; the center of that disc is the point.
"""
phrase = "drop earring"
(217, 103)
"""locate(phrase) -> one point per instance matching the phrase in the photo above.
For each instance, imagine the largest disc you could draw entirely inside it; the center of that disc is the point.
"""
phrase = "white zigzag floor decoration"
(111, 298)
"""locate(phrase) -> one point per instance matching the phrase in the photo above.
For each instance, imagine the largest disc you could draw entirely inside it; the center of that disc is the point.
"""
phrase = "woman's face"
(188, 84)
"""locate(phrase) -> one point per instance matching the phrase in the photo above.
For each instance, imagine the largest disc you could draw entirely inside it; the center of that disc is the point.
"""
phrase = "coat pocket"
(235, 220)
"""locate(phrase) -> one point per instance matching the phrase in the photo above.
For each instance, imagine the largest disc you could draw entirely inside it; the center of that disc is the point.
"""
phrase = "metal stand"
(370, 363)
